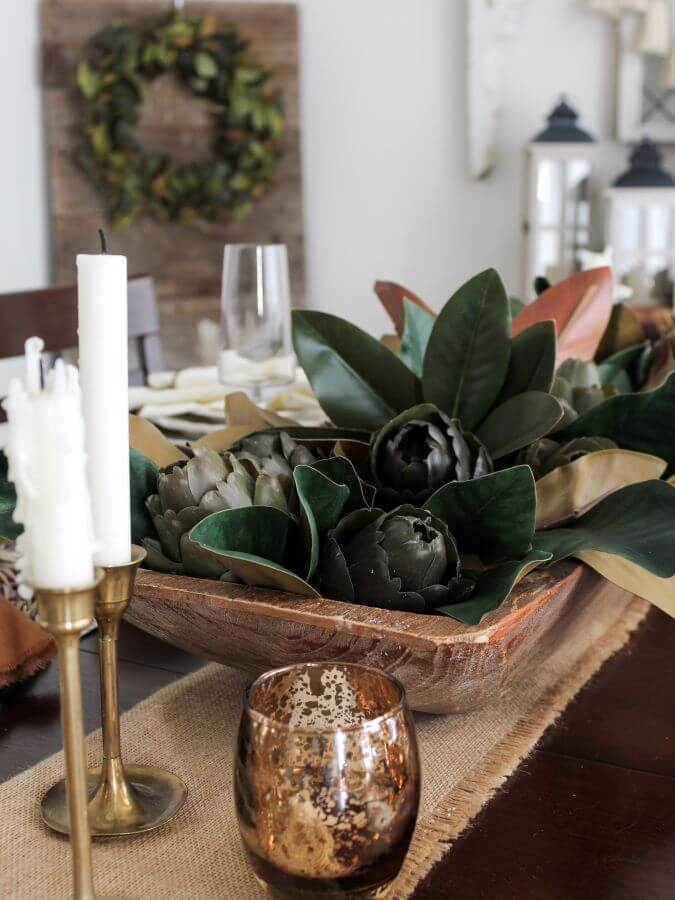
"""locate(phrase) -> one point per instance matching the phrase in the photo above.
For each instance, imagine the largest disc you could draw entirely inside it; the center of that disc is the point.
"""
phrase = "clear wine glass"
(326, 781)
(256, 350)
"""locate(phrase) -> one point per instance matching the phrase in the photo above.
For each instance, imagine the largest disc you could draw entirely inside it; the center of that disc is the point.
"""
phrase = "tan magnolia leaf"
(623, 330)
(223, 438)
(580, 306)
(632, 578)
(241, 410)
(571, 490)
(391, 296)
(662, 363)
(391, 342)
(149, 440)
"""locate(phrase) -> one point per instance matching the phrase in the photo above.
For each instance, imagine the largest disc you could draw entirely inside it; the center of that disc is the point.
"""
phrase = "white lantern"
(641, 226)
(557, 228)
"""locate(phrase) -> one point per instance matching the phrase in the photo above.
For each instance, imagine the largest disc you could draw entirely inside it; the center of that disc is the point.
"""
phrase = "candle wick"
(104, 243)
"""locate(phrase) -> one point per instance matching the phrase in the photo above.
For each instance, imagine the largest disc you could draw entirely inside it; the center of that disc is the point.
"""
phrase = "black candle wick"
(104, 244)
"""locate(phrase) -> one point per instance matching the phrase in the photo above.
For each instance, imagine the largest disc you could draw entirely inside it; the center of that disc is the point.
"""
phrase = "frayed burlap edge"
(439, 829)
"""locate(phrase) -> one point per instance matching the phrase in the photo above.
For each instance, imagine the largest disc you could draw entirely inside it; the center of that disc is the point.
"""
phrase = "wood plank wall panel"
(185, 260)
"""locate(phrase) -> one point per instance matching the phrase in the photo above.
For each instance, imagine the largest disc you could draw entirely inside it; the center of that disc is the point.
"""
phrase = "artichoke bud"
(421, 450)
(269, 492)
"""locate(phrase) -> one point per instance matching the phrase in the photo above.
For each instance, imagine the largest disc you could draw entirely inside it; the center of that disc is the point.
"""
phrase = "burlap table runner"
(190, 727)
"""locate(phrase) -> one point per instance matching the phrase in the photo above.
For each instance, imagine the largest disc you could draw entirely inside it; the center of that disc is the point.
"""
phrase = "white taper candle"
(102, 308)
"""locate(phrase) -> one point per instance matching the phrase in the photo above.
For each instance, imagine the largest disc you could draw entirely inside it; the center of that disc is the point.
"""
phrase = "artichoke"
(578, 387)
(545, 455)
(404, 559)
(258, 473)
(421, 450)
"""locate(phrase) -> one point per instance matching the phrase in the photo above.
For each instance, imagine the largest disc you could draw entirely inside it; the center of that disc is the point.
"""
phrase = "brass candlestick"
(65, 614)
(124, 799)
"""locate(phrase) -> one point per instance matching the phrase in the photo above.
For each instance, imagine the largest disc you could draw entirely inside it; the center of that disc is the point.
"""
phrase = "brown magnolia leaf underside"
(149, 440)
(391, 296)
(580, 306)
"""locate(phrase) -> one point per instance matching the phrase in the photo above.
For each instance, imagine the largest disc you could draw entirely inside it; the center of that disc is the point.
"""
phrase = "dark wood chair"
(51, 313)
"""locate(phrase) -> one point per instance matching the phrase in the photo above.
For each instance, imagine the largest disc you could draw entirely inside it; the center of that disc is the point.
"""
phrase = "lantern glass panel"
(548, 255)
(549, 192)
(577, 189)
(658, 227)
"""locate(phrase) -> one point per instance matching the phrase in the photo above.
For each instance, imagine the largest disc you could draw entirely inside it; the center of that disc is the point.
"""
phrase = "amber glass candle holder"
(327, 780)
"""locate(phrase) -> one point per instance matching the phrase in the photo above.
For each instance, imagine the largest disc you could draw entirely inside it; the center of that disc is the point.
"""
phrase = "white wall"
(386, 190)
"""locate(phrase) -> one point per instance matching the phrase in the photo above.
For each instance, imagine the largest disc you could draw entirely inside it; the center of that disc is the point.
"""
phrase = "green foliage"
(143, 482)
(8, 527)
(210, 60)
(418, 325)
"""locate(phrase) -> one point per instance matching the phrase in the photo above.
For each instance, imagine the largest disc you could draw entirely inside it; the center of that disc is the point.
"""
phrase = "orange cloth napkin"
(25, 647)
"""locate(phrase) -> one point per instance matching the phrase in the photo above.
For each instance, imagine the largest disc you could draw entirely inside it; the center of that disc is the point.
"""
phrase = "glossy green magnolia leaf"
(519, 421)
(636, 523)
(532, 361)
(143, 482)
(467, 355)
(322, 503)
(493, 586)
(257, 543)
(621, 368)
(418, 326)
(492, 516)
(8, 527)
(642, 422)
(358, 382)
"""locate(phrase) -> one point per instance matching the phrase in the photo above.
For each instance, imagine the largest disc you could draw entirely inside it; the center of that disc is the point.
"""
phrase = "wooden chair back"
(51, 313)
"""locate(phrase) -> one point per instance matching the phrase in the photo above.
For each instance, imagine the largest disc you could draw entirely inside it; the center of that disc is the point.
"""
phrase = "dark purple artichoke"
(420, 451)
(405, 559)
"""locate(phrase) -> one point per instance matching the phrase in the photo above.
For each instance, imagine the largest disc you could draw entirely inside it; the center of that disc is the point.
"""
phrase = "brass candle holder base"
(123, 799)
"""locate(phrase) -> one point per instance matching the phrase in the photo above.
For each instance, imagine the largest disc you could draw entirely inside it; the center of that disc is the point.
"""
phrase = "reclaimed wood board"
(185, 260)
(444, 666)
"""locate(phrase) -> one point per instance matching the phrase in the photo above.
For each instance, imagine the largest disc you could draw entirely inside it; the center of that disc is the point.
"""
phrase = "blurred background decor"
(184, 256)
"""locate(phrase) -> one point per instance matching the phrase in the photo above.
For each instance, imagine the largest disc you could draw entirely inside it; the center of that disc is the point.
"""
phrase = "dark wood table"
(590, 814)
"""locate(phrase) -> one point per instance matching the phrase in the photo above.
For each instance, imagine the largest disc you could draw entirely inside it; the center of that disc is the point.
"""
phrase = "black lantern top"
(645, 168)
(562, 127)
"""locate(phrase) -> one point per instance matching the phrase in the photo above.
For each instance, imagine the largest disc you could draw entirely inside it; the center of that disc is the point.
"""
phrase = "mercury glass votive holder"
(327, 780)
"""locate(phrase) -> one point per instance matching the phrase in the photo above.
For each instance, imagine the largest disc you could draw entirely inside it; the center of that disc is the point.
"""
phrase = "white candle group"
(46, 455)
(102, 310)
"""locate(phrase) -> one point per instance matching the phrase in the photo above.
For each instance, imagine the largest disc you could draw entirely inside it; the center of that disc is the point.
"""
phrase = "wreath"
(209, 58)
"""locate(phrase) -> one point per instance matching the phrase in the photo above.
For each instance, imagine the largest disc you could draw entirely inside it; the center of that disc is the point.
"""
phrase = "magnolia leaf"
(636, 522)
(620, 368)
(327, 490)
(623, 330)
(8, 527)
(569, 491)
(392, 342)
(240, 411)
(143, 482)
(518, 422)
(418, 326)
(516, 306)
(580, 306)
(392, 296)
(224, 438)
(467, 355)
(357, 381)
(532, 361)
(147, 439)
(256, 543)
(492, 516)
(641, 422)
(632, 578)
(493, 586)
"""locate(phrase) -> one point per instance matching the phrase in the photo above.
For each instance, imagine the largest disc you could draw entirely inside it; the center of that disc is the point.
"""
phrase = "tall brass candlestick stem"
(124, 799)
(65, 614)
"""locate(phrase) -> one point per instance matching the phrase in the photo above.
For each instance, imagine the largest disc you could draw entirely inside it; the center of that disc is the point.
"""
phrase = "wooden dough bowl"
(445, 666)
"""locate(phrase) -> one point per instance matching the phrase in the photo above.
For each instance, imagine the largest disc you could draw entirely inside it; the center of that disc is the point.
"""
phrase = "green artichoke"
(421, 450)
(258, 473)
(404, 559)
(545, 455)
(578, 387)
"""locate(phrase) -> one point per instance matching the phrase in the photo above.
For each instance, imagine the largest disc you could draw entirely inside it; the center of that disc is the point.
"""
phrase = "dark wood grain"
(444, 665)
(185, 258)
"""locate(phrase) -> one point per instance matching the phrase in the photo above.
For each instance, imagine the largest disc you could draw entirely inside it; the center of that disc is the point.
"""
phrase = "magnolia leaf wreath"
(209, 59)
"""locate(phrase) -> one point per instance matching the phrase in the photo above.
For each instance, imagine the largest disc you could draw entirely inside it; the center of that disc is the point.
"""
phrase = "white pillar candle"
(104, 368)
(45, 449)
